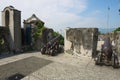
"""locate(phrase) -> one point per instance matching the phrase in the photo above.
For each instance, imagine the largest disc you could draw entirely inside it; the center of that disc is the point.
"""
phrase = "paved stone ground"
(24, 67)
(63, 67)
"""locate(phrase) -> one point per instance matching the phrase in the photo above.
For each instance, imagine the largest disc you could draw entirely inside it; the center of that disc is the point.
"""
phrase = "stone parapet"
(81, 41)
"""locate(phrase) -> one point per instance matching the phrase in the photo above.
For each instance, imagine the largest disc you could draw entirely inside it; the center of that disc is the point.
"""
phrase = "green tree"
(117, 29)
(40, 27)
(61, 39)
(55, 34)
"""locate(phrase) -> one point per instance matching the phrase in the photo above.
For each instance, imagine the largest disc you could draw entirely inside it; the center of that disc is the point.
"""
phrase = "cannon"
(108, 55)
(52, 47)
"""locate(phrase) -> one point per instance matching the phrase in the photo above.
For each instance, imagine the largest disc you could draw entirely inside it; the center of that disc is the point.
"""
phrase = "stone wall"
(117, 41)
(81, 41)
(3, 44)
(17, 29)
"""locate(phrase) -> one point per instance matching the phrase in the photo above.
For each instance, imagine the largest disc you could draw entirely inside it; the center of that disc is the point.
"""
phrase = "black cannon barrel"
(56, 38)
(52, 47)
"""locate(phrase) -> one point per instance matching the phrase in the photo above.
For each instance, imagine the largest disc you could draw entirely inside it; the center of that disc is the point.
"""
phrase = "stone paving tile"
(24, 66)
(7, 60)
(75, 68)
(67, 67)
(59, 71)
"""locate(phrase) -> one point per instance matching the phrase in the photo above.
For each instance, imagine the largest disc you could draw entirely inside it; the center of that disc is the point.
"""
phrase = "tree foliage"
(55, 34)
(61, 39)
(40, 27)
(117, 29)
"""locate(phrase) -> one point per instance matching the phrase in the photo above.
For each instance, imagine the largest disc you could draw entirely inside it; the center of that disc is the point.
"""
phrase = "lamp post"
(108, 17)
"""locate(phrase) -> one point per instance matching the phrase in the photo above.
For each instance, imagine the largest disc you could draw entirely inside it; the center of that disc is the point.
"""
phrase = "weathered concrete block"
(81, 40)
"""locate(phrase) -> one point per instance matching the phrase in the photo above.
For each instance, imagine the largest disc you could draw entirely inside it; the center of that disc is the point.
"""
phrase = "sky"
(60, 14)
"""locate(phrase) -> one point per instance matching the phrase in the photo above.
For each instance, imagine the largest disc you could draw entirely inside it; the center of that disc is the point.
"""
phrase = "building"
(11, 19)
(18, 38)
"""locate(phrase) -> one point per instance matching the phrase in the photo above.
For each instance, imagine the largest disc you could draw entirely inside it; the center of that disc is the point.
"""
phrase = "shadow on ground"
(22, 67)
(7, 54)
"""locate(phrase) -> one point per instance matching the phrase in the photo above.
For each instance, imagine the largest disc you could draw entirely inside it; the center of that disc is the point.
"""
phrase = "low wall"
(81, 41)
(117, 41)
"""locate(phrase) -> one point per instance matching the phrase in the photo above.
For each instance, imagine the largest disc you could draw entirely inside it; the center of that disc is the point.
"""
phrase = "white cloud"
(56, 14)
(50, 11)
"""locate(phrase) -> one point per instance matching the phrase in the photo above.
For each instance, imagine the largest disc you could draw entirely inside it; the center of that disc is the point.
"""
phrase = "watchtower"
(11, 18)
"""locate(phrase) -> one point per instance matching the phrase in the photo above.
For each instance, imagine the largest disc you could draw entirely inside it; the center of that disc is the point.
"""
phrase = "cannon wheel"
(43, 50)
(115, 60)
(98, 59)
